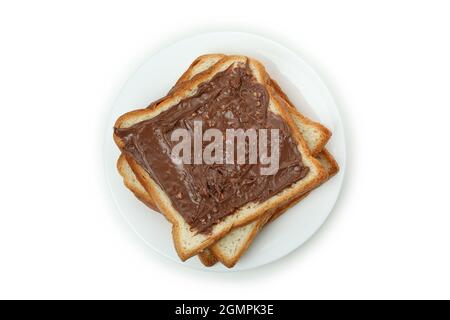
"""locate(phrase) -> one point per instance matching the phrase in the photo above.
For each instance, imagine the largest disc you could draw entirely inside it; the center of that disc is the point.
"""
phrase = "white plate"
(303, 86)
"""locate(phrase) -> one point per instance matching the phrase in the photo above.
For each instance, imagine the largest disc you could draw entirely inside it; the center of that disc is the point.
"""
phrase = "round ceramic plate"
(302, 85)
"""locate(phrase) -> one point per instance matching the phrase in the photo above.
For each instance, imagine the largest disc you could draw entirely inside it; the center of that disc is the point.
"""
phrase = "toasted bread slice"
(229, 249)
(316, 136)
(187, 241)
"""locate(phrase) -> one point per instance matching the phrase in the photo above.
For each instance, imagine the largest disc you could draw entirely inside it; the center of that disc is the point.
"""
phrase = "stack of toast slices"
(230, 236)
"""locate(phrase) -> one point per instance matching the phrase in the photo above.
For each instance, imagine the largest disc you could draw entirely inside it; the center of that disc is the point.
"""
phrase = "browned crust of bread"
(332, 163)
(191, 71)
(178, 94)
(207, 258)
(141, 194)
(259, 224)
(325, 133)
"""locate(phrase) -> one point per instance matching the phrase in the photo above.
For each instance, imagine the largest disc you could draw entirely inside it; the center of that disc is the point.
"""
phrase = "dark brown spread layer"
(205, 194)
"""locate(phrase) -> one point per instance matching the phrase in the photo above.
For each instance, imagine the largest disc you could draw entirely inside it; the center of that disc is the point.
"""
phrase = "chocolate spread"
(204, 194)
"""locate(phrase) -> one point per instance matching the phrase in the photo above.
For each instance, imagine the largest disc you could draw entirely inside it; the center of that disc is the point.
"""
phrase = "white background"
(62, 64)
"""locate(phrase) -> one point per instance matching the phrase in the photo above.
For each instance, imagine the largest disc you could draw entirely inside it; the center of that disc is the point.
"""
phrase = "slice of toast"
(187, 241)
(229, 249)
(315, 138)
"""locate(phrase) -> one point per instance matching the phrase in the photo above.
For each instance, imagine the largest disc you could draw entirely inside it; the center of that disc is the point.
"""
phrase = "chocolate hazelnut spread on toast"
(204, 194)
